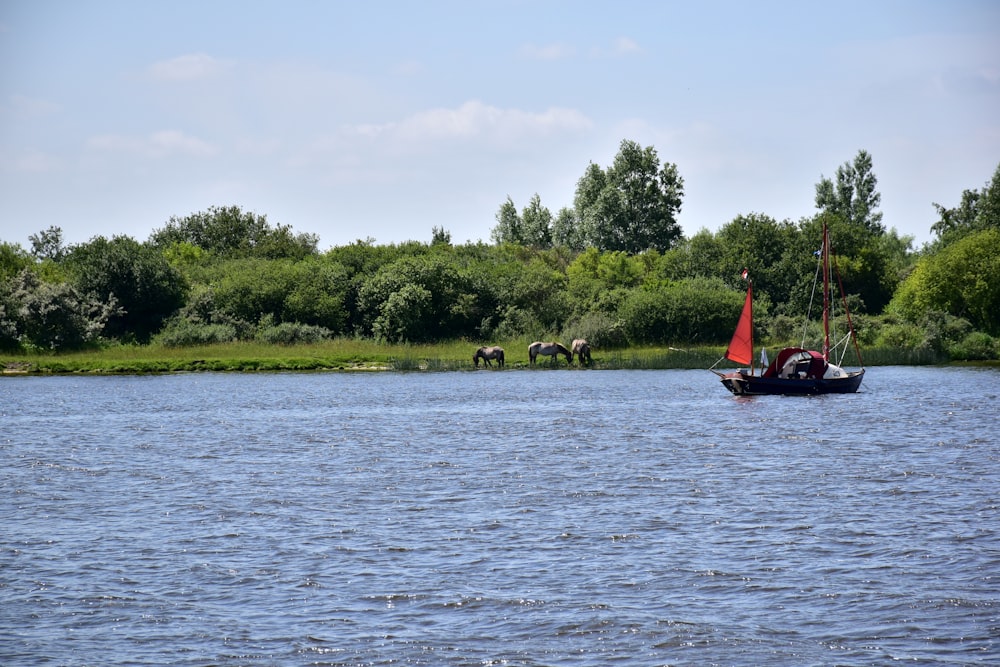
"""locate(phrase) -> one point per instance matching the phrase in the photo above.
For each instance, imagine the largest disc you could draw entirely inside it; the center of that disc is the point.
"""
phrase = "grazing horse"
(581, 348)
(549, 350)
(487, 353)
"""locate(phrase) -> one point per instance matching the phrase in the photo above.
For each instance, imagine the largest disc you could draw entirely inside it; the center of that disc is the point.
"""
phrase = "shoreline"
(108, 362)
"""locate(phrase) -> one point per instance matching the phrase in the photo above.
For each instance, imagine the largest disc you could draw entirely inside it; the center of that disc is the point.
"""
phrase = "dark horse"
(549, 350)
(581, 348)
(487, 353)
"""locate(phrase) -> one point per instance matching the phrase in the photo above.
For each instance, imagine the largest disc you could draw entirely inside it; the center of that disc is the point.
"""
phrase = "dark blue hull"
(743, 384)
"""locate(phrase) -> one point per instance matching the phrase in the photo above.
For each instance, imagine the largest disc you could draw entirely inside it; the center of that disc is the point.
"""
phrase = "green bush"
(977, 346)
(518, 323)
(699, 310)
(598, 329)
(290, 333)
(50, 316)
(184, 333)
(901, 334)
(942, 331)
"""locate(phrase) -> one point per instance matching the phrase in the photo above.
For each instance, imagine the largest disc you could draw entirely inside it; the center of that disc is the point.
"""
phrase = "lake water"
(516, 517)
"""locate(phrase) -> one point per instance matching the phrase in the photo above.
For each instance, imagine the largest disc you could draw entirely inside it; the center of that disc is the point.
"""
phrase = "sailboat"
(795, 370)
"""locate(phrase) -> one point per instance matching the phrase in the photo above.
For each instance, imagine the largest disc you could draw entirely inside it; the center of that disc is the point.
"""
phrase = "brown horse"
(487, 353)
(581, 348)
(549, 350)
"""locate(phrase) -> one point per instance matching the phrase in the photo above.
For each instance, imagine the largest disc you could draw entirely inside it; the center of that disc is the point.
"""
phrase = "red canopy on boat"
(809, 363)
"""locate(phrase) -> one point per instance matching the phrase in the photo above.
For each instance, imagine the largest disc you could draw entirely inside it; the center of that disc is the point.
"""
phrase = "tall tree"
(767, 249)
(633, 205)
(536, 224)
(508, 227)
(566, 230)
(978, 210)
(47, 244)
(440, 236)
(854, 197)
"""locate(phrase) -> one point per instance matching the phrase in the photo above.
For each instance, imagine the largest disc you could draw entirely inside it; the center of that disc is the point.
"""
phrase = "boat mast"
(826, 292)
(750, 306)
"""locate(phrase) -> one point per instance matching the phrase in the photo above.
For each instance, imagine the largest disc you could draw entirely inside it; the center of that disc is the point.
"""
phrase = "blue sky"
(383, 119)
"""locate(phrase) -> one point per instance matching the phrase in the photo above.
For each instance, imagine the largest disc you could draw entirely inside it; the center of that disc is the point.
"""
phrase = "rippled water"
(517, 517)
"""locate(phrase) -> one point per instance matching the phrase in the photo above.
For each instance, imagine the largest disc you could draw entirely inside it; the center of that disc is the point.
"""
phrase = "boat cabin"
(797, 363)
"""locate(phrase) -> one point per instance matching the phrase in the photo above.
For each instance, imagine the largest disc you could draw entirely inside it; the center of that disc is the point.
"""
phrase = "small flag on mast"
(745, 274)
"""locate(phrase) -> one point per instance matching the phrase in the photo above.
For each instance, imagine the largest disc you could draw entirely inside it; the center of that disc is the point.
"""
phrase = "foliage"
(942, 331)
(859, 256)
(133, 275)
(508, 227)
(51, 316)
(532, 228)
(977, 346)
(541, 291)
(47, 244)
(418, 299)
(185, 333)
(699, 310)
(633, 206)
(293, 333)
(536, 224)
(311, 291)
(567, 231)
(518, 323)
(13, 260)
(614, 269)
(978, 210)
(594, 278)
(768, 250)
(960, 280)
(854, 198)
(229, 231)
(440, 236)
(700, 256)
(599, 329)
(404, 315)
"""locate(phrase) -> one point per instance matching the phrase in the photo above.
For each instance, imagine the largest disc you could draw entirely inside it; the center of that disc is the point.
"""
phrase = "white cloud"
(475, 119)
(160, 144)
(170, 142)
(189, 67)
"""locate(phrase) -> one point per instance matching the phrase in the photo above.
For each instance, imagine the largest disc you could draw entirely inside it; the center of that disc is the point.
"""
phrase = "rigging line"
(841, 347)
(812, 298)
(850, 323)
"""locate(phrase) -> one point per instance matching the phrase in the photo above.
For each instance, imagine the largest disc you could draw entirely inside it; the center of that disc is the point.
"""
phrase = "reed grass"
(901, 356)
(352, 354)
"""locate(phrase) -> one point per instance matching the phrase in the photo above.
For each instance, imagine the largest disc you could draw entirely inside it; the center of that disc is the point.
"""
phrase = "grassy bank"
(366, 355)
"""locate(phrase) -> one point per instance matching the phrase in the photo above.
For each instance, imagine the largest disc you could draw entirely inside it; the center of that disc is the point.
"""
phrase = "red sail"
(741, 346)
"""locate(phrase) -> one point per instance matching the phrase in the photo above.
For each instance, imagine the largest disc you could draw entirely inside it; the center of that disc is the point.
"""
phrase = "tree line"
(615, 269)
